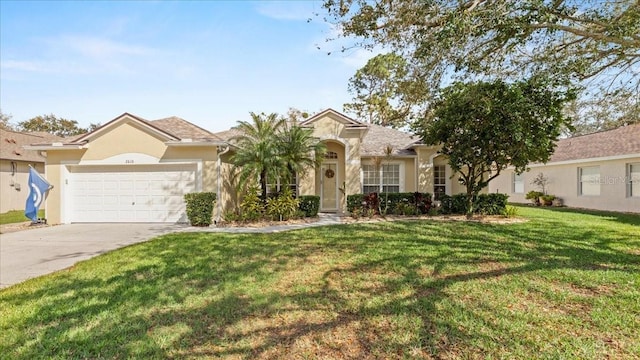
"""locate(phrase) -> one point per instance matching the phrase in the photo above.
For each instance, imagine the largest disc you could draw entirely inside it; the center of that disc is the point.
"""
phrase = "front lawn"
(16, 216)
(562, 285)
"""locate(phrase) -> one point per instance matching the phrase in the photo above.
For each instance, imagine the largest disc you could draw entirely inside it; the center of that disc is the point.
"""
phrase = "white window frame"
(278, 186)
(589, 181)
(515, 181)
(633, 180)
(444, 178)
(380, 176)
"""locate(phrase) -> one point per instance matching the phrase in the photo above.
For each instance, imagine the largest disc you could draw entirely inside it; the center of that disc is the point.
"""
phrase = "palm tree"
(299, 150)
(270, 148)
(258, 153)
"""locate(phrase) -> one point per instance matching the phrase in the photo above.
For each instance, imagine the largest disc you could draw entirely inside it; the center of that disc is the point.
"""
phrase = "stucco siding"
(564, 183)
(134, 147)
(15, 187)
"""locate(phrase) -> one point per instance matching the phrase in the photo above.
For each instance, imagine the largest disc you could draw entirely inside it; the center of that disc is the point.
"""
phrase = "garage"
(129, 193)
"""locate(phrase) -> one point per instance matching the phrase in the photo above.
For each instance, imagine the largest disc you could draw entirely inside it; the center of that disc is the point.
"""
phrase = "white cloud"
(31, 66)
(288, 10)
(95, 47)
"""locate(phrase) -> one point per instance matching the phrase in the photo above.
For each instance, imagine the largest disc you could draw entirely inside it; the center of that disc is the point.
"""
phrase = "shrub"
(309, 205)
(231, 216)
(547, 199)
(354, 201)
(485, 204)
(534, 196)
(456, 204)
(200, 207)
(252, 206)
(491, 204)
(283, 207)
(510, 211)
(420, 201)
(405, 208)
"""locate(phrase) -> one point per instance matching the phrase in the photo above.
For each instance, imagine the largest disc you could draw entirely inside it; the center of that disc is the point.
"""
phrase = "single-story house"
(129, 170)
(14, 166)
(598, 171)
(136, 170)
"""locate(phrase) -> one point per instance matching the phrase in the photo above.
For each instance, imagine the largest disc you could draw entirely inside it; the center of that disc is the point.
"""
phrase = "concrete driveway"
(34, 252)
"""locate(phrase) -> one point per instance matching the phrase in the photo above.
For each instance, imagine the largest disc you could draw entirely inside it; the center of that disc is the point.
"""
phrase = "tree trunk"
(263, 184)
(469, 202)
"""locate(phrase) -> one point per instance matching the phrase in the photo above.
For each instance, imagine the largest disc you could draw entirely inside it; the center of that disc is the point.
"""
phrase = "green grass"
(16, 216)
(564, 285)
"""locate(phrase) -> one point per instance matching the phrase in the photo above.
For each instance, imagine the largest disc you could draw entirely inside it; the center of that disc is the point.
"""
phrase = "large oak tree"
(592, 43)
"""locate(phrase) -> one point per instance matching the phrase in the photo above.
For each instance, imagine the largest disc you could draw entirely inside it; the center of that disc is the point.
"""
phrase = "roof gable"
(342, 118)
(126, 118)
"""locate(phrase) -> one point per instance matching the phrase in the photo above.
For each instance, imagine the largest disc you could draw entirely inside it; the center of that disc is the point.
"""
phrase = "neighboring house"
(14, 166)
(135, 170)
(129, 170)
(596, 171)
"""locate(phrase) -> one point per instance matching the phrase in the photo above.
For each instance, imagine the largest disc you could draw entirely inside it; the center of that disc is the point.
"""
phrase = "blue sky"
(208, 62)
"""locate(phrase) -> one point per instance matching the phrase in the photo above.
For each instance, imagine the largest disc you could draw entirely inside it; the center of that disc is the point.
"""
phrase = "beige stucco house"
(14, 166)
(597, 171)
(136, 170)
(129, 170)
(350, 167)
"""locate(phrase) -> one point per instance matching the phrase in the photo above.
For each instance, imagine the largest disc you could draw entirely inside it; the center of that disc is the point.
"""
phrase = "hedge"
(421, 201)
(485, 204)
(309, 205)
(200, 207)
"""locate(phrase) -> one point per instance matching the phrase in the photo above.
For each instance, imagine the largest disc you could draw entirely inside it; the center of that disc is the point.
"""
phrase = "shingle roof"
(374, 143)
(12, 144)
(378, 137)
(227, 135)
(173, 126)
(621, 141)
(183, 129)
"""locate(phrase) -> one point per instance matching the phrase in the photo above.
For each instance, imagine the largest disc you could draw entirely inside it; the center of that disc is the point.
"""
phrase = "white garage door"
(136, 193)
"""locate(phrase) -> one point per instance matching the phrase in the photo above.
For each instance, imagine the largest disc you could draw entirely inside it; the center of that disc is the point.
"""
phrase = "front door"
(329, 187)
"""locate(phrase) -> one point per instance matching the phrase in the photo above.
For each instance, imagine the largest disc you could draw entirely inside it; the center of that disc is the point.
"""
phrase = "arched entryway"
(330, 177)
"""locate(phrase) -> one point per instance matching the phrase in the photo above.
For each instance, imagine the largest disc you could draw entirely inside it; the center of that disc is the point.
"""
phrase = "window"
(634, 180)
(370, 179)
(518, 183)
(439, 181)
(274, 186)
(589, 181)
(331, 155)
(384, 179)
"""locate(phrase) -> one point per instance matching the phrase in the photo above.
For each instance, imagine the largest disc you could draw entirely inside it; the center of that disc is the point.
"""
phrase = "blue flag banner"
(38, 187)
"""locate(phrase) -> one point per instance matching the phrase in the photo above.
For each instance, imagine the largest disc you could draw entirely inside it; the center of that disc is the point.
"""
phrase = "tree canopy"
(5, 121)
(378, 89)
(485, 127)
(269, 147)
(592, 43)
(53, 125)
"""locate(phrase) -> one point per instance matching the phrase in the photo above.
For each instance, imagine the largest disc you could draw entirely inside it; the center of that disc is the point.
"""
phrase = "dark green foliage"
(396, 202)
(485, 204)
(200, 207)
(354, 201)
(309, 205)
(485, 127)
(534, 196)
(283, 207)
(252, 207)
